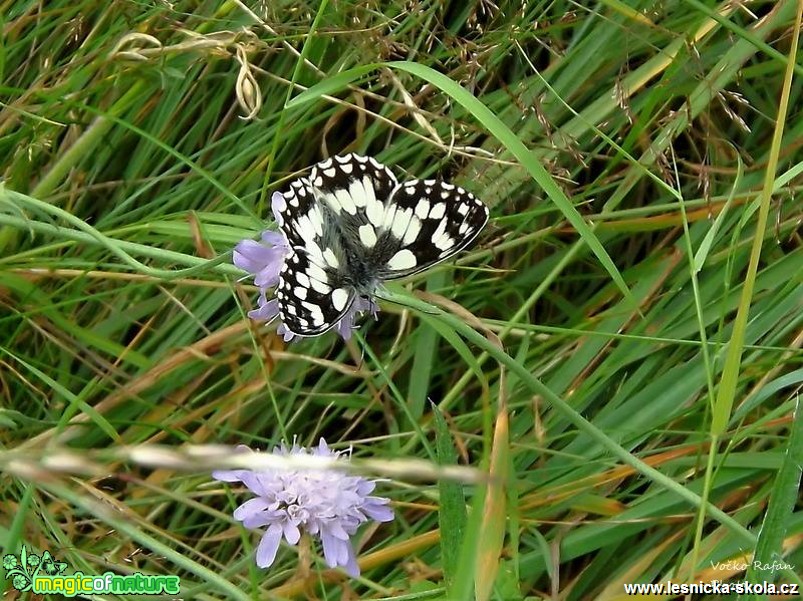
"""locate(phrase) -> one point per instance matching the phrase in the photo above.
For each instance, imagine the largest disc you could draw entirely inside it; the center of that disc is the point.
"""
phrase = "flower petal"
(282, 330)
(345, 326)
(350, 566)
(335, 529)
(338, 553)
(263, 260)
(267, 309)
(277, 205)
(252, 256)
(259, 520)
(229, 475)
(322, 449)
(377, 509)
(250, 508)
(268, 276)
(291, 532)
(275, 239)
(268, 546)
(335, 551)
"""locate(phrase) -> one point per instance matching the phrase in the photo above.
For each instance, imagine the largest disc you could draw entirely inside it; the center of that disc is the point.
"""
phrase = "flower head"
(20, 582)
(265, 259)
(325, 503)
(33, 560)
(9, 561)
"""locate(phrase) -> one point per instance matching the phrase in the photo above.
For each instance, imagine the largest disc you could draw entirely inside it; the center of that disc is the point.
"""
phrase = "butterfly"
(351, 225)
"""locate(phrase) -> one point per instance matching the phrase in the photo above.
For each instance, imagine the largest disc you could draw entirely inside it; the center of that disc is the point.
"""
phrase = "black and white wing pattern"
(430, 221)
(323, 217)
(351, 225)
(310, 301)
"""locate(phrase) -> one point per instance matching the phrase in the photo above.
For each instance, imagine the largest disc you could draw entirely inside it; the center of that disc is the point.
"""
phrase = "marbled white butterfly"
(350, 225)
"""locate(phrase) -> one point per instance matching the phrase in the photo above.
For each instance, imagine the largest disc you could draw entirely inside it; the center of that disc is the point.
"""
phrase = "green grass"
(602, 390)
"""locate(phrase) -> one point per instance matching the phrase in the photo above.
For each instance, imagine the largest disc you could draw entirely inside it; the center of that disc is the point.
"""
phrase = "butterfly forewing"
(299, 217)
(430, 221)
(351, 182)
(340, 195)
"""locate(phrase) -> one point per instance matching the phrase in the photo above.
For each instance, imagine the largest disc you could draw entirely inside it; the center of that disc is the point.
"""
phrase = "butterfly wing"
(298, 216)
(392, 230)
(323, 217)
(428, 221)
(342, 203)
(311, 297)
(350, 224)
(353, 191)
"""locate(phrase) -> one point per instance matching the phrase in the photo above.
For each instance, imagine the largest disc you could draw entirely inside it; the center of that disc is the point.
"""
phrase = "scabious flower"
(325, 503)
(265, 259)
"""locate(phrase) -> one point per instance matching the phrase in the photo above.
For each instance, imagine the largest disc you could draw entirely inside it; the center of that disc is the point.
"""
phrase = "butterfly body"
(351, 226)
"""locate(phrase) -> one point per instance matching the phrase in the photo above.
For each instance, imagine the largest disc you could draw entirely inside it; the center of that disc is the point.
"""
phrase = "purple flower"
(324, 503)
(345, 326)
(264, 260)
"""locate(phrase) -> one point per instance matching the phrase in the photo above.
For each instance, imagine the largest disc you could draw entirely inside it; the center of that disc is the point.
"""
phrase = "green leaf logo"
(22, 569)
(17, 569)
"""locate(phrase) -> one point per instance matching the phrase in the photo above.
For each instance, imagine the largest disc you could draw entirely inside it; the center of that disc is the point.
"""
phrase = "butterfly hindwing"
(311, 296)
(428, 222)
(361, 178)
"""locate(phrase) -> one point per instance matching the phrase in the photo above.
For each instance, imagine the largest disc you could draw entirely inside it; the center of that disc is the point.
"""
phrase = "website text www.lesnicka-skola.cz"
(714, 587)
